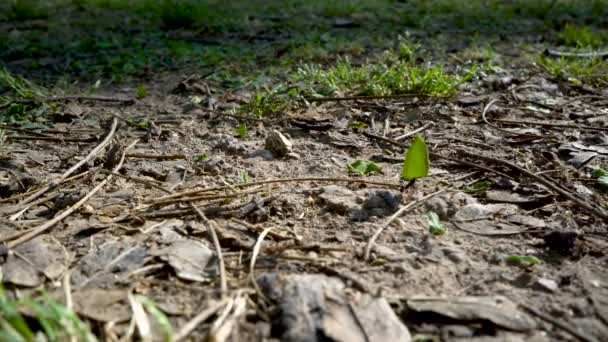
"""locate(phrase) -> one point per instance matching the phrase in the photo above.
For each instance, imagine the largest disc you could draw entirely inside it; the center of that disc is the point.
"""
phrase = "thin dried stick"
(582, 203)
(437, 155)
(484, 114)
(562, 325)
(15, 197)
(550, 124)
(198, 319)
(254, 256)
(70, 98)
(164, 202)
(370, 243)
(76, 166)
(42, 138)
(218, 249)
(270, 181)
(157, 156)
(45, 226)
(17, 211)
(416, 131)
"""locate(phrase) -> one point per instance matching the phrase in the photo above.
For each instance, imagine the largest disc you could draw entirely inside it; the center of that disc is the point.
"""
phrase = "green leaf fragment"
(358, 125)
(435, 226)
(201, 157)
(479, 188)
(523, 260)
(242, 131)
(416, 164)
(244, 177)
(141, 92)
(599, 173)
(363, 167)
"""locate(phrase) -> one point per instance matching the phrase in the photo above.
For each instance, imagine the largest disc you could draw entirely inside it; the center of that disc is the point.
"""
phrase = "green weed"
(55, 321)
(592, 71)
(581, 37)
(19, 86)
(23, 10)
(176, 14)
(270, 101)
(142, 92)
(381, 78)
(364, 168)
(242, 131)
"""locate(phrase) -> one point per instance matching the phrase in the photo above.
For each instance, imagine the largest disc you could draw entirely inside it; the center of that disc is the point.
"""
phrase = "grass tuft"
(382, 78)
(19, 86)
(23, 10)
(47, 320)
(591, 71)
(582, 37)
(176, 14)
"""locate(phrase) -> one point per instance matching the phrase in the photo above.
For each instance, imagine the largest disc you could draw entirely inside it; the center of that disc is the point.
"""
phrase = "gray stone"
(339, 199)
(277, 143)
(314, 307)
(34, 260)
(263, 154)
(546, 284)
(382, 202)
(190, 259)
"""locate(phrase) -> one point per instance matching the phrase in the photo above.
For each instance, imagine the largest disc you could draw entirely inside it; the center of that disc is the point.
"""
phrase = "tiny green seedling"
(522, 260)
(363, 167)
(242, 131)
(141, 92)
(244, 177)
(357, 125)
(416, 163)
(141, 124)
(602, 178)
(478, 188)
(201, 157)
(435, 226)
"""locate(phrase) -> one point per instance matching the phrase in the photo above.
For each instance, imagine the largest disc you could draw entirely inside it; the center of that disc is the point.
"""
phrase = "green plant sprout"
(242, 130)
(416, 163)
(141, 92)
(244, 177)
(363, 167)
(522, 260)
(55, 321)
(435, 226)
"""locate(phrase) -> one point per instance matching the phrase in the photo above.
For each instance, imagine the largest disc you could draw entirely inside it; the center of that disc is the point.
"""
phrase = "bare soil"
(140, 234)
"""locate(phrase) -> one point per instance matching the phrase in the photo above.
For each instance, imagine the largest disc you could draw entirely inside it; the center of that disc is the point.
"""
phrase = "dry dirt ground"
(258, 236)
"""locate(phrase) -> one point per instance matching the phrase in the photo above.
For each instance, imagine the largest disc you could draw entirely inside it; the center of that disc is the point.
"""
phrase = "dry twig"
(218, 249)
(565, 193)
(416, 131)
(76, 166)
(198, 319)
(559, 324)
(372, 240)
(45, 226)
(271, 181)
(254, 256)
